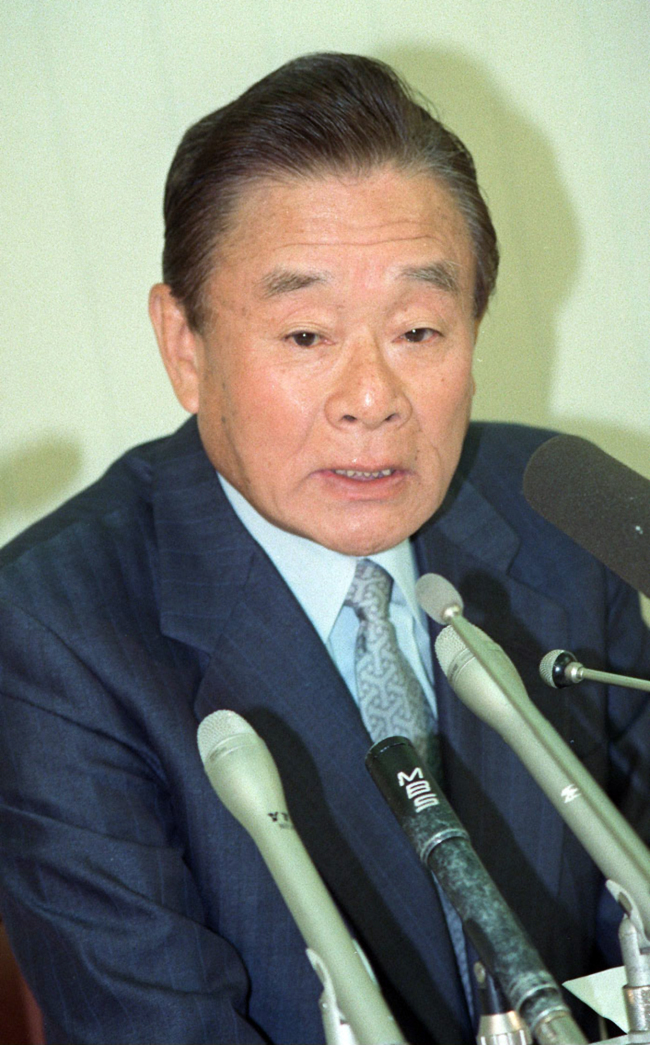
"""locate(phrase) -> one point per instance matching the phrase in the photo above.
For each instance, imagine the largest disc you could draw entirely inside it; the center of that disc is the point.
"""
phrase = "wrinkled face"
(333, 386)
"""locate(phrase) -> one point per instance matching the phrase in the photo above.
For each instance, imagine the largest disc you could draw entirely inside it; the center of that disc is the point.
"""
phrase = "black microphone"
(594, 499)
(559, 668)
(442, 843)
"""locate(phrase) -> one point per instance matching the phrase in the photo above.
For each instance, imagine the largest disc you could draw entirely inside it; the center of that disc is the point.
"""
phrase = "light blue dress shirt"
(320, 578)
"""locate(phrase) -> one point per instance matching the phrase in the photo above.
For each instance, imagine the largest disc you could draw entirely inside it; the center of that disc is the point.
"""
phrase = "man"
(328, 259)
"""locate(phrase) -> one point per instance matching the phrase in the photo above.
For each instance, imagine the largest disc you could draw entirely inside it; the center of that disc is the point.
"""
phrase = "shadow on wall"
(540, 246)
(535, 222)
(34, 478)
(629, 447)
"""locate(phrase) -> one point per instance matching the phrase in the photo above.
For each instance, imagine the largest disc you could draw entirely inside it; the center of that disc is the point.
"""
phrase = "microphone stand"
(499, 1024)
(635, 949)
(336, 1028)
(636, 957)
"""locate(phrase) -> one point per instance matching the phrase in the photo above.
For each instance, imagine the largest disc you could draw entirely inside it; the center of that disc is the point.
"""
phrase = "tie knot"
(369, 593)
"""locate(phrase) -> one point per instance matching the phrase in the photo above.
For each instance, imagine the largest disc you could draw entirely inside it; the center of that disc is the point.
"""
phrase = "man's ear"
(477, 324)
(178, 344)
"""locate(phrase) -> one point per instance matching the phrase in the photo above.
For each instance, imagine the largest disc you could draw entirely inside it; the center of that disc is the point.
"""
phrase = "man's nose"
(368, 390)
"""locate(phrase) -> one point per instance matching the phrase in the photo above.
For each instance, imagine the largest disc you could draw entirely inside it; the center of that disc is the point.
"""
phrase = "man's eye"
(419, 334)
(304, 338)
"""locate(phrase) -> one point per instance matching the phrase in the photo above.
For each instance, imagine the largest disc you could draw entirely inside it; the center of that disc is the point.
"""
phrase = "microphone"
(440, 601)
(599, 502)
(487, 682)
(241, 769)
(559, 668)
(442, 843)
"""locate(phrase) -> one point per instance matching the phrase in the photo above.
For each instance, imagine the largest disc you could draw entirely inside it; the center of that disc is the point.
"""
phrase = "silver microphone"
(559, 669)
(486, 680)
(440, 600)
(241, 769)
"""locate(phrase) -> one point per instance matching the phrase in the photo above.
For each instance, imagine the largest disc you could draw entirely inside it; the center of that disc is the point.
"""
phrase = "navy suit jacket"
(139, 909)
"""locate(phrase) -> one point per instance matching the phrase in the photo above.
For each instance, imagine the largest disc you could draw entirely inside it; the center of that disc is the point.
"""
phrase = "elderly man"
(328, 258)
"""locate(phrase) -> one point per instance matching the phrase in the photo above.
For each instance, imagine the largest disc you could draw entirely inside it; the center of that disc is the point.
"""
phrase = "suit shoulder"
(100, 547)
(95, 549)
(502, 447)
(494, 460)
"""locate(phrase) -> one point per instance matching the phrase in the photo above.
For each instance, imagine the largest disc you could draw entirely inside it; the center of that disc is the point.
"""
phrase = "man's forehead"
(374, 207)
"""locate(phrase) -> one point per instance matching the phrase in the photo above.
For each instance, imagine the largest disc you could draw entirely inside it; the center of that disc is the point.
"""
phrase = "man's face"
(333, 386)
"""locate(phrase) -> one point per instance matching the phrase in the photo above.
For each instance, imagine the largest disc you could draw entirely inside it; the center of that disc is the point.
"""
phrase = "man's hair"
(317, 115)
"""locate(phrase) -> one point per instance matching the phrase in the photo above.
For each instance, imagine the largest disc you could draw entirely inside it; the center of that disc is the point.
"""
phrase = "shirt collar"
(319, 577)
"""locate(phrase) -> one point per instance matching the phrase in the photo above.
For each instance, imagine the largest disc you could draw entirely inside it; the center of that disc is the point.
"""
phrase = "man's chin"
(365, 541)
(360, 529)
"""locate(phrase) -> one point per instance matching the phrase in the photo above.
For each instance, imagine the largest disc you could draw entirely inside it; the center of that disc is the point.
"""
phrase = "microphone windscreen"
(447, 646)
(437, 596)
(594, 499)
(217, 727)
(547, 665)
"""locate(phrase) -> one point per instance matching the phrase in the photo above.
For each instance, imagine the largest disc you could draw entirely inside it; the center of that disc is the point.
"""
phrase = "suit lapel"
(474, 548)
(204, 555)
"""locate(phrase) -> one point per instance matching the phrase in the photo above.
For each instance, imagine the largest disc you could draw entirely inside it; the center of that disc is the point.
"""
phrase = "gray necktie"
(392, 701)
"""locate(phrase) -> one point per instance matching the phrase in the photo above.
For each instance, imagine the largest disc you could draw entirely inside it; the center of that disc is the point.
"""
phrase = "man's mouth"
(353, 473)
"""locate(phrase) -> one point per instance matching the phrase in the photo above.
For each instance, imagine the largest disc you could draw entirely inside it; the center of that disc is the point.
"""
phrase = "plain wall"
(552, 97)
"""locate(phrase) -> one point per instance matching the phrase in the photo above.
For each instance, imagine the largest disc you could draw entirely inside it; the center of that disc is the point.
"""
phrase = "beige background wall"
(552, 96)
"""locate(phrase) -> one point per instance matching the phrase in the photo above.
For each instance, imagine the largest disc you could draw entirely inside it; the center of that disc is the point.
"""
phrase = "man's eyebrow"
(285, 281)
(440, 274)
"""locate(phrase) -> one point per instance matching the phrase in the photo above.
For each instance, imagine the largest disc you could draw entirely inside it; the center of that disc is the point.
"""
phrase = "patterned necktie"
(393, 703)
(391, 700)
